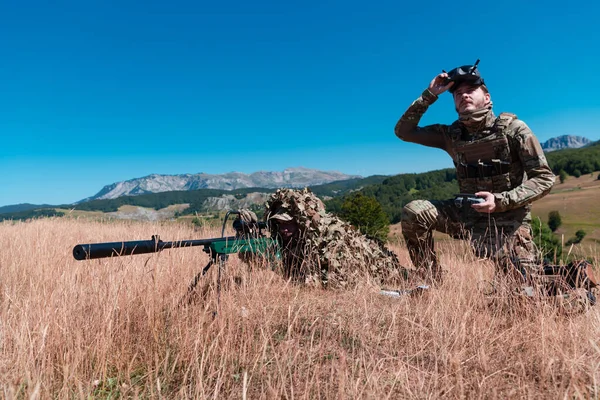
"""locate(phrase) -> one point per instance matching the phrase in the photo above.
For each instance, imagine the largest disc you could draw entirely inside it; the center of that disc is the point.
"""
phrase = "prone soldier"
(319, 248)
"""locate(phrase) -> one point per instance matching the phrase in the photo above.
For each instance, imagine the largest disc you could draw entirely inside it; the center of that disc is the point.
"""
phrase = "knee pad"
(419, 212)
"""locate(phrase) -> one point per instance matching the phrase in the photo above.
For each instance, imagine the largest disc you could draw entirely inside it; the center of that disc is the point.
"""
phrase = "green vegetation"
(22, 207)
(366, 214)
(157, 201)
(339, 188)
(547, 243)
(576, 162)
(29, 214)
(562, 176)
(554, 220)
(396, 191)
(579, 235)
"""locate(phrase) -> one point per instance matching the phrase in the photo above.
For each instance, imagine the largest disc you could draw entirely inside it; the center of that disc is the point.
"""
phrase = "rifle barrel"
(91, 251)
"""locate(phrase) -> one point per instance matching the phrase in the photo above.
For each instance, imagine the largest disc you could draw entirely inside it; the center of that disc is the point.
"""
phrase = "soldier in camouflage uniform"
(319, 248)
(497, 158)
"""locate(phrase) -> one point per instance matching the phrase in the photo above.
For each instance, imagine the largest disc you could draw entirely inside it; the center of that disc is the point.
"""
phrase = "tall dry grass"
(113, 327)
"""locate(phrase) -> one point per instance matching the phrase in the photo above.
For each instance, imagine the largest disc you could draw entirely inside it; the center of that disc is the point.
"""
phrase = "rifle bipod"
(191, 291)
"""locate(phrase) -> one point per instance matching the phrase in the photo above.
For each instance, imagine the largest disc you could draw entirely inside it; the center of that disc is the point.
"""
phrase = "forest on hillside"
(576, 162)
(396, 191)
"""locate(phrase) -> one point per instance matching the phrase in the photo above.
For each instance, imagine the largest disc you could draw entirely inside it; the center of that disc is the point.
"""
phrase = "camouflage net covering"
(327, 250)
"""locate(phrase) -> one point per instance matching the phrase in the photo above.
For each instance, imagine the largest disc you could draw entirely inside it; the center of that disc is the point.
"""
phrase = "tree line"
(576, 162)
(396, 191)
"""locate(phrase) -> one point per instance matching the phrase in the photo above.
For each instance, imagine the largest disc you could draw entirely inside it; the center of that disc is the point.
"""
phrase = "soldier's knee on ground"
(418, 215)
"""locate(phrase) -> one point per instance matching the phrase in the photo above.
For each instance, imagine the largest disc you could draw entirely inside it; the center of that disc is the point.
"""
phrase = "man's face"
(287, 229)
(470, 98)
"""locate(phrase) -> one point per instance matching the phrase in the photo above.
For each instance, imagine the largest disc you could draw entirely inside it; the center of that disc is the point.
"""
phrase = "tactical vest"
(484, 164)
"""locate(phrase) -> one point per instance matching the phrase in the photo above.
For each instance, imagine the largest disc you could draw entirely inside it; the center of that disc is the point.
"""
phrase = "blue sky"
(95, 92)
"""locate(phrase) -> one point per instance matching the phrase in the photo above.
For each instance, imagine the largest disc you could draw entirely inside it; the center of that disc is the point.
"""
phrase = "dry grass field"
(114, 328)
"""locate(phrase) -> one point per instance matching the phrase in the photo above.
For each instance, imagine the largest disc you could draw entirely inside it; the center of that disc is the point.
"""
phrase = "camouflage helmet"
(468, 74)
(302, 206)
(281, 215)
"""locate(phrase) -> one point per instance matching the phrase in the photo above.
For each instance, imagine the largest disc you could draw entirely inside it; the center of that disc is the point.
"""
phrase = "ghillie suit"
(326, 250)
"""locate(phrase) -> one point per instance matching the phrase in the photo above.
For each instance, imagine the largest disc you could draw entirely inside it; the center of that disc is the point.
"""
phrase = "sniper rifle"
(249, 238)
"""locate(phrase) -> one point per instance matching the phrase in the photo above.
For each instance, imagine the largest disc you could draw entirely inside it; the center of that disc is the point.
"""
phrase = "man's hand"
(438, 85)
(488, 206)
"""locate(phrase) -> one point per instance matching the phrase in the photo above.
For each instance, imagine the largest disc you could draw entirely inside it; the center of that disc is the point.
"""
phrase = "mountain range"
(565, 142)
(156, 183)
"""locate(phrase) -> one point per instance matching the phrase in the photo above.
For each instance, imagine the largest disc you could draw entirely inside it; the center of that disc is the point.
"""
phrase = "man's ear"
(488, 98)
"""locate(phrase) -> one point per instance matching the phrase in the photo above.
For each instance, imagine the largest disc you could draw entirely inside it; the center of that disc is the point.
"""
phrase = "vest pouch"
(501, 183)
(469, 185)
(485, 184)
(484, 164)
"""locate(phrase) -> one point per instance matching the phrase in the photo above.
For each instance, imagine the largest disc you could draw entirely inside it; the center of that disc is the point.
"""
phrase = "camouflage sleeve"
(539, 179)
(407, 129)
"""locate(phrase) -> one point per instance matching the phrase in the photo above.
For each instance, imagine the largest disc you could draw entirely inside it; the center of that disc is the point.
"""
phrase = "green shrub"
(562, 175)
(579, 235)
(547, 243)
(366, 214)
(554, 220)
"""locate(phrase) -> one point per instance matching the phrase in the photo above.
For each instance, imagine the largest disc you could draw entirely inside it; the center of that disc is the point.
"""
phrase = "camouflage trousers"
(504, 238)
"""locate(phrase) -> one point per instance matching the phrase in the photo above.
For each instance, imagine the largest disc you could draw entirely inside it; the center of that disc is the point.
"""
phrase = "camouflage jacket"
(533, 173)
(327, 250)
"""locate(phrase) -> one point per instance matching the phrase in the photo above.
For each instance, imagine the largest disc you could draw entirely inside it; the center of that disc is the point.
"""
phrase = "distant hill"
(201, 201)
(340, 188)
(290, 177)
(21, 207)
(31, 213)
(576, 162)
(565, 142)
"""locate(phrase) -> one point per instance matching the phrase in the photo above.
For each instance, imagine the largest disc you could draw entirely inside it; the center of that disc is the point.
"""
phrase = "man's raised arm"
(407, 127)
